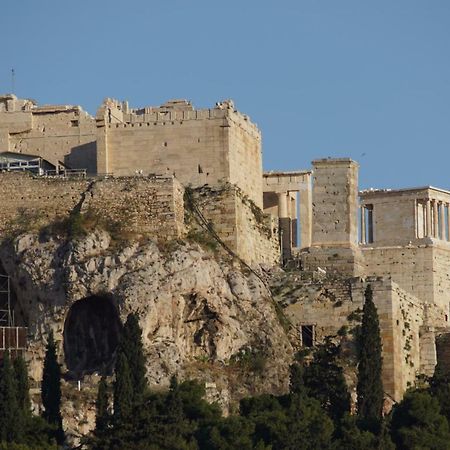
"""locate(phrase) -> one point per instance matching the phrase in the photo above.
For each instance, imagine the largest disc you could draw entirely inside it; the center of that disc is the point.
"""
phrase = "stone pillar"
(441, 215)
(282, 205)
(305, 215)
(435, 219)
(428, 232)
(363, 224)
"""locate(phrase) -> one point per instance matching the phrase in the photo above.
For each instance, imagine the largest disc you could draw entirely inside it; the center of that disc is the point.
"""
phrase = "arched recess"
(91, 335)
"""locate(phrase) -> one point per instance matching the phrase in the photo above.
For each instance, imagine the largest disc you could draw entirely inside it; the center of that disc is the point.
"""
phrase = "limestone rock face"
(201, 315)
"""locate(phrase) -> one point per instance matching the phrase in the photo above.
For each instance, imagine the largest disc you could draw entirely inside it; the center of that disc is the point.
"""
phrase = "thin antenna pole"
(13, 81)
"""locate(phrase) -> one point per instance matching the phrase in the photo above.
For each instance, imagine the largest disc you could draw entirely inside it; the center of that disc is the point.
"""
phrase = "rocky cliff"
(203, 315)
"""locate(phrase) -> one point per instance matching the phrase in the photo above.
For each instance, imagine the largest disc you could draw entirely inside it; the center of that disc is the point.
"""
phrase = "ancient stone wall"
(152, 206)
(240, 224)
(63, 134)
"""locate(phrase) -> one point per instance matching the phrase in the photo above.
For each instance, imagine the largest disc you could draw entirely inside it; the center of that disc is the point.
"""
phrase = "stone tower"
(334, 244)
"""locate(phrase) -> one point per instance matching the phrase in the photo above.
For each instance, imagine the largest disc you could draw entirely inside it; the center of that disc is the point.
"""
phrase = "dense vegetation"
(315, 414)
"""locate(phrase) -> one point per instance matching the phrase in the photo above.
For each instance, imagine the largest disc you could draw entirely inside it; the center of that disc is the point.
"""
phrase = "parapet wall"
(153, 206)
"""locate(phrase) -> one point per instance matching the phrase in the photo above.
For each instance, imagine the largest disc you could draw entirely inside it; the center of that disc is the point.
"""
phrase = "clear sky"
(369, 79)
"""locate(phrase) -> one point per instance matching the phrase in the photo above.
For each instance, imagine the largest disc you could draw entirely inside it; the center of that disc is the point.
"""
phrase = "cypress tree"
(131, 347)
(123, 391)
(10, 426)
(102, 416)
(51, 389)
(370, 385)
(23, 388)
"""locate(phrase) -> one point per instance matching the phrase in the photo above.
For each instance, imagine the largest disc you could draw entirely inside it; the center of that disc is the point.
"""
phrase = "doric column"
(428, 232)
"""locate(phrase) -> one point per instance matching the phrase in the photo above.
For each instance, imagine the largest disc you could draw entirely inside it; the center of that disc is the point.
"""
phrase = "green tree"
(418, 424)
(370, 385)
(350, 437)
(51, 389)
(102, 403)
(231, 433)
(324, 380)
(123, 391)
(132, 348)
(23, 388)
(10, 417)
(440, 389)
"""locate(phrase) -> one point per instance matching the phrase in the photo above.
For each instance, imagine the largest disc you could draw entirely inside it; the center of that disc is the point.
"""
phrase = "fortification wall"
(153, 206)
(195, 151)
(240, 224)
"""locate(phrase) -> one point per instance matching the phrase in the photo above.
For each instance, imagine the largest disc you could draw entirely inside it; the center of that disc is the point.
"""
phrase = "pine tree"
(10, 426)
(102, 417)
(370, 385)
(51, 389)
(123, 391)
(23, 388)
(131, 347)
(417, 423)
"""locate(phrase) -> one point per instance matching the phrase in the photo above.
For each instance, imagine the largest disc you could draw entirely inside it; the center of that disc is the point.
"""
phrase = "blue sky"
(359, 78)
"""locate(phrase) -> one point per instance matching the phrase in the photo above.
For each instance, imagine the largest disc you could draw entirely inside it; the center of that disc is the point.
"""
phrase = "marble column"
(428, 214)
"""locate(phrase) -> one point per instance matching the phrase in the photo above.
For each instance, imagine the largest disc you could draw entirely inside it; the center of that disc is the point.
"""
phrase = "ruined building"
(145, 164)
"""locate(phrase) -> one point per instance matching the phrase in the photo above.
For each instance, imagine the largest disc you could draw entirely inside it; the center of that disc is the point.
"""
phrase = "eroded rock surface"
(201, 315)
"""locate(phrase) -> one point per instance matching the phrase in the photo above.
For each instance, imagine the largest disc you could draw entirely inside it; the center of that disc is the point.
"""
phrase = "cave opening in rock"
(91, 335)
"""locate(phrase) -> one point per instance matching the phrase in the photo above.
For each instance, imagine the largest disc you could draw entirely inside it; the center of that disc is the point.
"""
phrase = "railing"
(66, 173)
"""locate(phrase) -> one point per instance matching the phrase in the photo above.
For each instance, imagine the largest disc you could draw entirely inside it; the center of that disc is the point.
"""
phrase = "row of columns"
(437, 217)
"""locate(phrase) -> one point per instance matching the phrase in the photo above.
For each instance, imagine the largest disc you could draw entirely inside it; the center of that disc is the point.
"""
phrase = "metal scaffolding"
(6, 316)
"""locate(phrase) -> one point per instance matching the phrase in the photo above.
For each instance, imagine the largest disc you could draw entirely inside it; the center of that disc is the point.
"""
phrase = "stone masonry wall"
(241, 225)
(141, 205)
(329, 304)
(422, 271)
